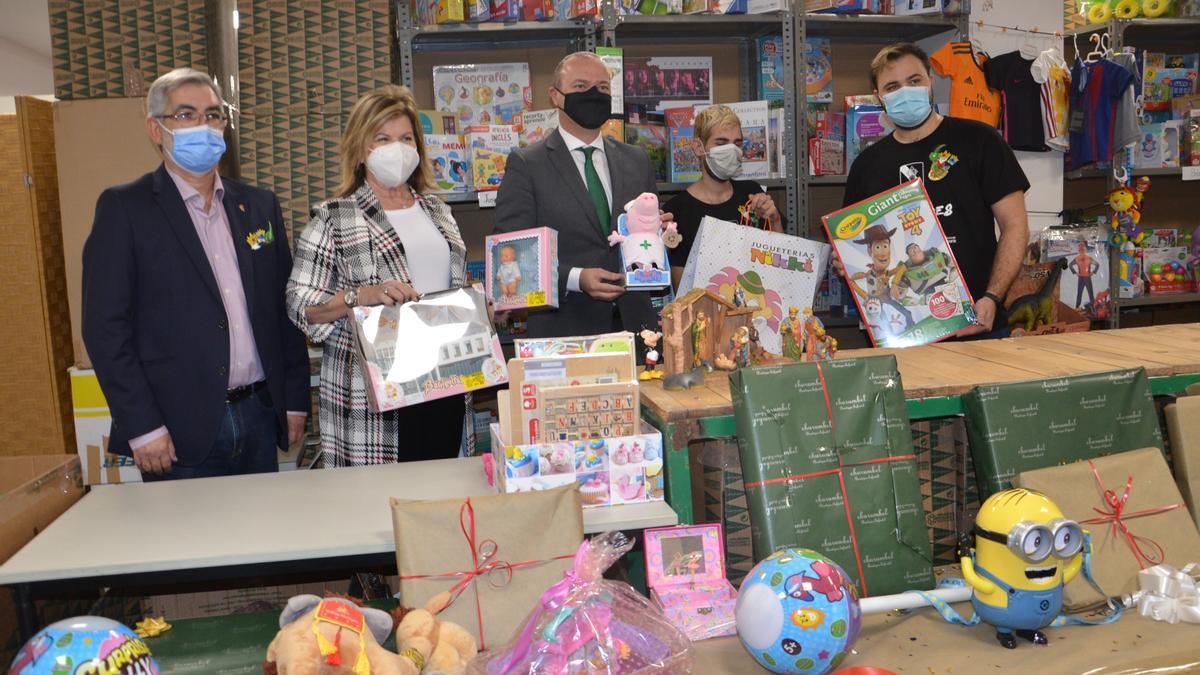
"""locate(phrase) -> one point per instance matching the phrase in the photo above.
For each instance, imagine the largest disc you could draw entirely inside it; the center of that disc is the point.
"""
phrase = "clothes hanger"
(1101, 48)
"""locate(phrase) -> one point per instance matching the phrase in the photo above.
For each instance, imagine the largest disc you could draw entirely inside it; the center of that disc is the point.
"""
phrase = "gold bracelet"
(414, 656)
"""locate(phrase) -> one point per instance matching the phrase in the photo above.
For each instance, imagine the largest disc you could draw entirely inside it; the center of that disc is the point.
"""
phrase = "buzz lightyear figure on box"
(924, 271)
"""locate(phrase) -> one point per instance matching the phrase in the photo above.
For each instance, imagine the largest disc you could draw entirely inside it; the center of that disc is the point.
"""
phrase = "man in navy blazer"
(183, 303)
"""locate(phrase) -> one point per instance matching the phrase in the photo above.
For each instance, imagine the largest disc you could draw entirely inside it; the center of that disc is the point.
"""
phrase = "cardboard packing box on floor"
(1025, 426)
(433, 554)
(1183, 423)
(34, 491)
(1115, 565)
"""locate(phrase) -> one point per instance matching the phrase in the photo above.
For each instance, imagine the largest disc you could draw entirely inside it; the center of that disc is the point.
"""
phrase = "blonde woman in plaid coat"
(381, 241)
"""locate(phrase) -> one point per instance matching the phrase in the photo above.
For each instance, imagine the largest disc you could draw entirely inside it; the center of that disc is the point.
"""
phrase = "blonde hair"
(372, 111)
(712, 118)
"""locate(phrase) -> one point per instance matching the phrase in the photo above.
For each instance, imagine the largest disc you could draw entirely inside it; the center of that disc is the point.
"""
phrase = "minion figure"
(1025, 552)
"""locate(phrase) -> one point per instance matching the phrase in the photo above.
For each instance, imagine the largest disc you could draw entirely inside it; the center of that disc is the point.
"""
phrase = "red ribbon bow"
(1116, 515)
(483, 563)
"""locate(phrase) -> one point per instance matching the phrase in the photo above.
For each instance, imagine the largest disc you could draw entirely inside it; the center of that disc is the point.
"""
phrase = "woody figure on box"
(880, 276)
(650, 338)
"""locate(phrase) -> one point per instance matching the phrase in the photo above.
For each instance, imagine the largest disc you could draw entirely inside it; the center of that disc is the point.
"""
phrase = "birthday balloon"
(797, 612)
(85, 645)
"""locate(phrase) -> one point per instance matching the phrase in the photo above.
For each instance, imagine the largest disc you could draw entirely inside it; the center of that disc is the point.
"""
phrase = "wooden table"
(923, 642)
(935, 377)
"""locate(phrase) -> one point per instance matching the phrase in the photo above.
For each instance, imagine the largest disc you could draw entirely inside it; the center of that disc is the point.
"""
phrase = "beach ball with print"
(83, 645)
(797, 612)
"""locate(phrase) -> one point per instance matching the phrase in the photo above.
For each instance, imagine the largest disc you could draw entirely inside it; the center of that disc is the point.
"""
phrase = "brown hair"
(892, 53)
(712, 118)
(372, 111)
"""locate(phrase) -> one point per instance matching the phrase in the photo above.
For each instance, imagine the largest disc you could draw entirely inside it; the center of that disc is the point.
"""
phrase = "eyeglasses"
(191, 118)
(1034, 542)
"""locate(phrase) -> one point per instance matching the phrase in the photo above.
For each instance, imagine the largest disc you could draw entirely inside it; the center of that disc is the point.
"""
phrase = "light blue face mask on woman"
(908, 107)
(196, 149)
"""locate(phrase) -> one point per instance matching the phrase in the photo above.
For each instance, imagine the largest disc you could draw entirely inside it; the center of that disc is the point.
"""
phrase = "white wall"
(25, 64)
(1045, 170)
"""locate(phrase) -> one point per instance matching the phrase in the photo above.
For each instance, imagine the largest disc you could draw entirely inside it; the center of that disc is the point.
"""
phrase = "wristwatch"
(994, 298)
(351, 297)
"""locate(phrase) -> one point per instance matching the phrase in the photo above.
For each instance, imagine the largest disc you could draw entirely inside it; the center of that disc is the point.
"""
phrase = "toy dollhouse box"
(442, 345)
(685, 569)
(522, 269)
(609, 471)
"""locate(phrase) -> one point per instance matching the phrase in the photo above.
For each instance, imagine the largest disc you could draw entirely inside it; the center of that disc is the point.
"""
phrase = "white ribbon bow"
(1167, 594)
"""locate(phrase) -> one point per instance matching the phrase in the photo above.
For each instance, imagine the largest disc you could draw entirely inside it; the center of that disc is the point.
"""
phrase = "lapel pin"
(242, 208)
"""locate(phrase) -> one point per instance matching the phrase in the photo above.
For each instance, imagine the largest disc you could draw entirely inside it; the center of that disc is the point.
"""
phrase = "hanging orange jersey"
(970, 97)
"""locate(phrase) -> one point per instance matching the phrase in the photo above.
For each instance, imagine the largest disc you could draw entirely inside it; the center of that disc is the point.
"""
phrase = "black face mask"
(589, 109)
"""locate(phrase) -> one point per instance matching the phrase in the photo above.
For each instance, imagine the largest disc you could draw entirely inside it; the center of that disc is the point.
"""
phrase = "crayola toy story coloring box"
(900, 268)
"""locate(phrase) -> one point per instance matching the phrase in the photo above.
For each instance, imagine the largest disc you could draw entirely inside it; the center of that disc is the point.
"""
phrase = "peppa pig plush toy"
(643, 253)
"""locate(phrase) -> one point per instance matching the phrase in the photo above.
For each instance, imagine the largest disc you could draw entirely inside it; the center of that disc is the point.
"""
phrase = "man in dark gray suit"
(577, 182)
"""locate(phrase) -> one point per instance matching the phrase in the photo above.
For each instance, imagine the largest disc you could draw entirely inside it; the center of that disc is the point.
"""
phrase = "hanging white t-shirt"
(425, 249)
(1050, 70)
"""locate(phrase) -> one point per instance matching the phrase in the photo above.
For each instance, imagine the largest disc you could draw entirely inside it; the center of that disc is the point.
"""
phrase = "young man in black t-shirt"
(970, 173)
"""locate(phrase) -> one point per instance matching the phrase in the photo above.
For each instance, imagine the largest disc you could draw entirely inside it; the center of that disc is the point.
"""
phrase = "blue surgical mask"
(196, 149)
(908, 107)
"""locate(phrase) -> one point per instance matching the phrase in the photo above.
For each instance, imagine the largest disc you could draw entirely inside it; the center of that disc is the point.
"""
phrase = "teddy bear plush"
(453, 646)
(336, 635)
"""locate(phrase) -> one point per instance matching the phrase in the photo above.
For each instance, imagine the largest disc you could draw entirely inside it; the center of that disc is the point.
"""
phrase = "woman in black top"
(718, 144)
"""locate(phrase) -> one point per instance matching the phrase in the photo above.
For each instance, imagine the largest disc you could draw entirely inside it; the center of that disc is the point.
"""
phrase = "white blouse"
(425, 249)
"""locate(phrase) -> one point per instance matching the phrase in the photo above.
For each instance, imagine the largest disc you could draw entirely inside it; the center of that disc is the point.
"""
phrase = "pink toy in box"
(522, 269)
(685, 569)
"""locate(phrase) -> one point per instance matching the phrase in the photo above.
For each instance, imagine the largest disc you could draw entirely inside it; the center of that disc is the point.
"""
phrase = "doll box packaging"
(685, 570)
(441, 345)
(900, 267)
(619, 470)
(522, 269)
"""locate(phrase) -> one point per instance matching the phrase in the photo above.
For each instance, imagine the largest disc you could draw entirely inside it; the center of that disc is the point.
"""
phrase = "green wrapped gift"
(1033, 425)
(828, 464)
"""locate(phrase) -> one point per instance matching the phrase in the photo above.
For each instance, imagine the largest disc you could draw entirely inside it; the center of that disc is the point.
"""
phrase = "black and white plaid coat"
(350, 244)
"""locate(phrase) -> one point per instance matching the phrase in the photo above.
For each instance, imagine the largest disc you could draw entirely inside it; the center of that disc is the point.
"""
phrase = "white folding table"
(240, 526)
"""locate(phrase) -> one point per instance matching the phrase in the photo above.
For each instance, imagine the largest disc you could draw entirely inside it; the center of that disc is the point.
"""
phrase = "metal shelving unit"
(614, 29)
(1161, 299)
(860, 28)
(1146, 33)
(1081, 174)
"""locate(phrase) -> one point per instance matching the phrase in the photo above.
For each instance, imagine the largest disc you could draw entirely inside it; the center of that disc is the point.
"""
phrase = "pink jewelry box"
(685, 569)
(522, 269)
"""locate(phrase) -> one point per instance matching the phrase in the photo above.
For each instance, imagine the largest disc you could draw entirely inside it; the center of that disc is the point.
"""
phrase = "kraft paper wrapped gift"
(439, 542)
(1183, 423)
(828, 462)
(1025, 426)
(1153, 513)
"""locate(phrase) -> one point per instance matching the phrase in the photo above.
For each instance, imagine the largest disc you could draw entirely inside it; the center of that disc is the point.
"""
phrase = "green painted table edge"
(679, 493)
